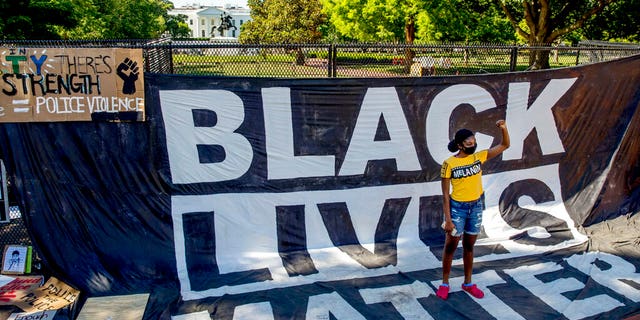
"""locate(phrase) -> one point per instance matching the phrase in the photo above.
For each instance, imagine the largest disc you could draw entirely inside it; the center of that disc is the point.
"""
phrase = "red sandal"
(443, 291)
(473, 290)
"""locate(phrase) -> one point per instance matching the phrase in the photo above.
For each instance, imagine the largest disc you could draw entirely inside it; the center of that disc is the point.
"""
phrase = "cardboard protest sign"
(53, 295)
(49, 314)
(71, 84)
(11, 292)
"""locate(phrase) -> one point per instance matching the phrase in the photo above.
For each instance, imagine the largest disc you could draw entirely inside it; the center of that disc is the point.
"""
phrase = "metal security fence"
(233, 59)
(14, 231)
(213, 58)
(371, 60)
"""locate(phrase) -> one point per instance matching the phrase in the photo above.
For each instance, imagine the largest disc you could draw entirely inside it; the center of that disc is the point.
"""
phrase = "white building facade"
(205, 21)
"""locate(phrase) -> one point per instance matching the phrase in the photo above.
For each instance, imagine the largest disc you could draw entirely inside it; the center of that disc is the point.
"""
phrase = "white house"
(204, 21)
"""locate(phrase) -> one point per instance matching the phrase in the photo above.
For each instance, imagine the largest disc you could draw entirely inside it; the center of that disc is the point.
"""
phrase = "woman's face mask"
(469, 145)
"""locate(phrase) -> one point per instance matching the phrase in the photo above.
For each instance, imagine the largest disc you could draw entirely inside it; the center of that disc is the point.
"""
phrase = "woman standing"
(463, 202)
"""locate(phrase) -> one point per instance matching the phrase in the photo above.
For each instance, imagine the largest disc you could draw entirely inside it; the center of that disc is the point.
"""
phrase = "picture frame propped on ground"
(16, 259)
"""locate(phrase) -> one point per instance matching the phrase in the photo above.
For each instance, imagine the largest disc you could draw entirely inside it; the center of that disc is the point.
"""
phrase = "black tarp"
(319, 198)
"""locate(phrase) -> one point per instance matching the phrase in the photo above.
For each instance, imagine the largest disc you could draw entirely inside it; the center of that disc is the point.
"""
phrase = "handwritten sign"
(53, 295)
(40, 315)
(71, 84)
(18, 287)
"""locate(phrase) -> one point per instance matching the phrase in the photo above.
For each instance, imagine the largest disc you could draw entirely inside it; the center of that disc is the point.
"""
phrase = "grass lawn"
(239, 65)
(350, 64)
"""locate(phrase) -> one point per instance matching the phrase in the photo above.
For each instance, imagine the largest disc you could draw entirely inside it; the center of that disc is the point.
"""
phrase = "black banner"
(320, 198)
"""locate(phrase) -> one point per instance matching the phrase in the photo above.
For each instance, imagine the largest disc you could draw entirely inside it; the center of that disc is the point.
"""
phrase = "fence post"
(329, 59)
(170, 57)
(334, 60)
(514, 59)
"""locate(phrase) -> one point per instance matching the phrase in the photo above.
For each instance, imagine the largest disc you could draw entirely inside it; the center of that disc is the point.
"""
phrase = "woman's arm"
(504, 144)
(446, 205)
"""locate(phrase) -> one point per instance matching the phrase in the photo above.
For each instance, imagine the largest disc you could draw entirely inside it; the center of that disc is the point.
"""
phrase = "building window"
(191, 21)
(241, 21)
(203, 34)
(202, 22)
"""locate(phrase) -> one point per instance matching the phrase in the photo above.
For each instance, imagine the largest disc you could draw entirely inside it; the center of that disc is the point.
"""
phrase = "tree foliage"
(542, 22)
(461, 20)
(119, 19)
(35, 19)
(283, 21)
(177, 26)
(374, 20)
(618, 21)
(422, 20)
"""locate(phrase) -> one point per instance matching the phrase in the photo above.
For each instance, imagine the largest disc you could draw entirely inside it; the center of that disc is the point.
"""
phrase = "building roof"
(211, 10)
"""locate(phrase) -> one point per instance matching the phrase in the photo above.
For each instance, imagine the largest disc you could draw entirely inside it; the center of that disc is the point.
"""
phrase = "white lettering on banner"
(521, 118)
(490, 303)
(183, 137)
(258, 247)
(201, 315)
(538, 116)
(278, 127)
(282, 163)
(321, 305)
(499, 231)
(253, 311)
(552, 292)
(380, 103)
(404, 298)
(617, 269)
(246, 227)
(440, 113)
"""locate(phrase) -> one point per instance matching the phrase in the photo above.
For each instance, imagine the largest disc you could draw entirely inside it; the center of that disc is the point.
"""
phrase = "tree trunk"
(409, 35)
(539, 59)
(299, 57)
(409, 54)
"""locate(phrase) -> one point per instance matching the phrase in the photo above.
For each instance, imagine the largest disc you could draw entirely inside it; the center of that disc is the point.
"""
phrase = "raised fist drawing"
(129, 78)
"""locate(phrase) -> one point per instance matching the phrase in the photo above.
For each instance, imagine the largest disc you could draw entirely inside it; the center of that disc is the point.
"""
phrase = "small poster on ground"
(49, 314)
(18, 287)
(16, 259)
(53, 295)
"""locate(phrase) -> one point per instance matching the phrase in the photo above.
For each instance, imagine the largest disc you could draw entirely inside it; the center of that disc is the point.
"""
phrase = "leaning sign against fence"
(46, 84)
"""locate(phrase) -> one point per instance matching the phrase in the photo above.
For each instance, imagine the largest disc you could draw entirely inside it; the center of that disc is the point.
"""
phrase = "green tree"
(283, 21)
(177, 26)
(35, 19)
(461, 20)
(119, 19)
(422, 20)
(374, 20)
(542, 22)
(619, 21)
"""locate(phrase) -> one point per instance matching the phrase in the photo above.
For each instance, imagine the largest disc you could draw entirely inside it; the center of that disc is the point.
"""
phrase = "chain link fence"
(214, 58)
(14, 231)
(371, 60)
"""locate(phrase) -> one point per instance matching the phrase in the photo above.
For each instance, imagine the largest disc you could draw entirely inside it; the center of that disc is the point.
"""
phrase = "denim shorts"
(467, 216)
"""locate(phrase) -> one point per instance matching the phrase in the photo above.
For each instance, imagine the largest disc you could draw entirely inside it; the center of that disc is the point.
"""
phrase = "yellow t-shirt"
(466, 175)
